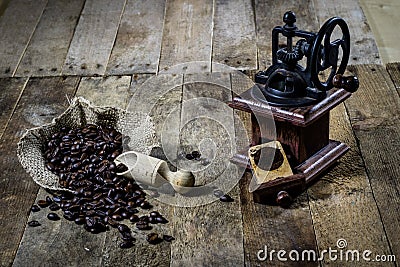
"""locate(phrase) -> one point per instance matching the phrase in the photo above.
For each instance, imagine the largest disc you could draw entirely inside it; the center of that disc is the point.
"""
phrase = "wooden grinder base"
(304, 135)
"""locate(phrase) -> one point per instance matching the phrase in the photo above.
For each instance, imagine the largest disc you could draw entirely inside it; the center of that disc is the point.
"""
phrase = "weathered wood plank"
(16, 28)
(46, 52)
(382, 16)
(138, 43)
(374, 114)
(269, 14)
(42, 100)
(10, 90)
(342, 202)
(394, 71)
(94, 37)
(187, 34)
(234, 36)
(201, 230)
(363, 48)
(275, 228)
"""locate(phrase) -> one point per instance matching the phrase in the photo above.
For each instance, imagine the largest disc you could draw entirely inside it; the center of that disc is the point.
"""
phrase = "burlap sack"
(138, 127)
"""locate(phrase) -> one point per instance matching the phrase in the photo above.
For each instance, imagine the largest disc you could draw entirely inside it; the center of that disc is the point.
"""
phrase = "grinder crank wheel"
(326, 56)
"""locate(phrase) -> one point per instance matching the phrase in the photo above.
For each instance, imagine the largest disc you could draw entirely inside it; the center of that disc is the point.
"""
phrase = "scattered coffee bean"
(126, 244)
(54, 207)
(42, 203)
(196, 154)
(153, 238)
(34, 223)
(123, 228)
(154, 214)
(226, 198)
(161, 219)
(53, 216)
(49, 200)
(145, 205)
(141, 225)
(168, 238)
(35, 208)
(189, 156)
(133, 218)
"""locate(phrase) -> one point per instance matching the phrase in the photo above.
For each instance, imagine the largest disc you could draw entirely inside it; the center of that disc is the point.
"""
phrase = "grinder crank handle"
(348, 83)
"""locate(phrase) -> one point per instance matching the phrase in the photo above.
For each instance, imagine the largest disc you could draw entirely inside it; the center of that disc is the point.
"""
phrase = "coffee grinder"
(299, 102)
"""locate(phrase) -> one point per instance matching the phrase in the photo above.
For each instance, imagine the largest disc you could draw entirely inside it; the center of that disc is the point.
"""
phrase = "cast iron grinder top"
(287, 83)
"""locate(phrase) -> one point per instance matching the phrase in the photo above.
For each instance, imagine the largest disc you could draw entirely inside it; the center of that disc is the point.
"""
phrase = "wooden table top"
(53, 50)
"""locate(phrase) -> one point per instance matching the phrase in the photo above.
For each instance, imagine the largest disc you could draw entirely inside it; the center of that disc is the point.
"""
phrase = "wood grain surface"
(41, 100)
(17, 25)
(10, 92)
(48, 47)
(207, 234)
(374, 114)
(94, 37)
(187, 34)
(237, 46)
(138, 43)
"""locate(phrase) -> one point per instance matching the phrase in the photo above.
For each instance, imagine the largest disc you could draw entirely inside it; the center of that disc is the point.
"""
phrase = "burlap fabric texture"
(138, 128)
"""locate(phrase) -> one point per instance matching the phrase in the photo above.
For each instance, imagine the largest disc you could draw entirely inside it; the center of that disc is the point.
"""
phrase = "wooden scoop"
(154, 172)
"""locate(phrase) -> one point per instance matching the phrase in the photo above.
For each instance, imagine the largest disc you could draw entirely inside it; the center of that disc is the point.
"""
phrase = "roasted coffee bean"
(145, 205)
(126, 244)
(50, 166)
(144, 218)
(143, 226)
(168, 238)
(57, 199)
(127, 236)
(117, 217)
(226, 198)
(35, 208)
(123, 228)
(196, 154)
(49, 200)
(53, 216)
(153, 238)
(154, 214)
(34, 223)
(153, 220)
(189, 156)
(161, 219)
(112, 223)
(80, 220)
(42, 203)
(133, 218)
(120, 167)
(54, 207)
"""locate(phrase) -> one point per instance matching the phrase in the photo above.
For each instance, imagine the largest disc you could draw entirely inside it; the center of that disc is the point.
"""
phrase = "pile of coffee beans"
(194, 155)
(83, 158)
